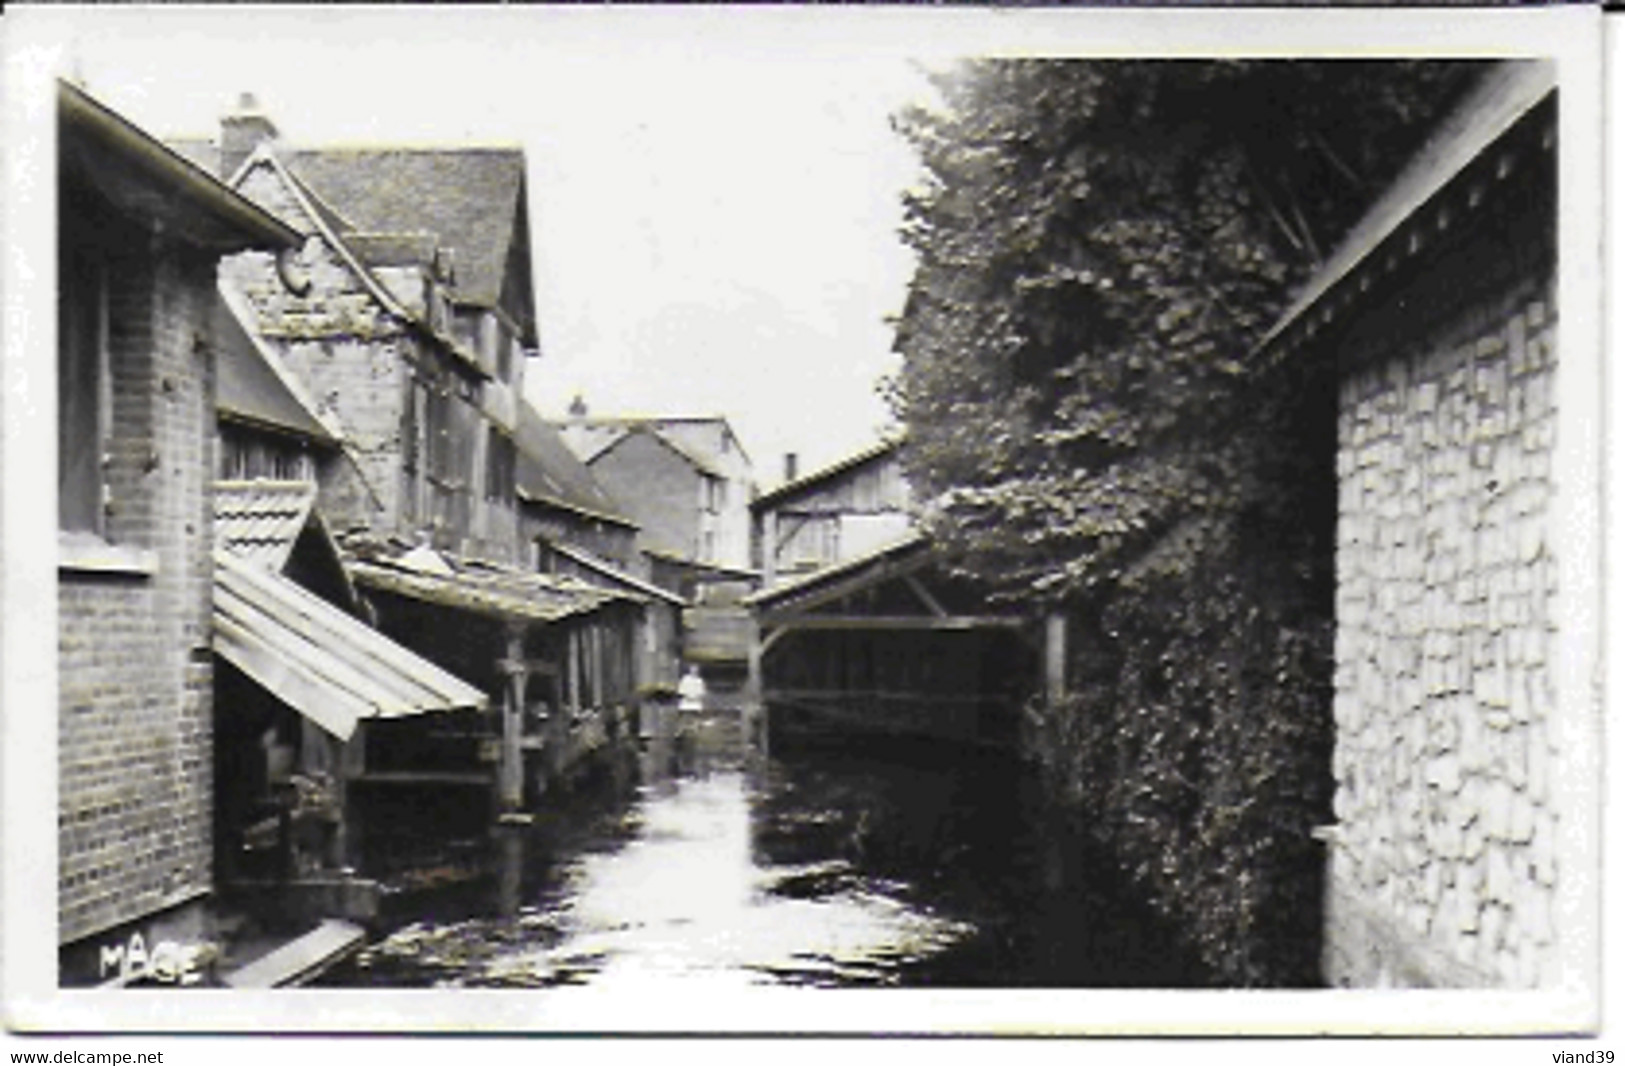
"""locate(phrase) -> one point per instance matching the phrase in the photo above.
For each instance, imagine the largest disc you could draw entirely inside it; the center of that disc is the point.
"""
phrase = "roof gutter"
(80, 111)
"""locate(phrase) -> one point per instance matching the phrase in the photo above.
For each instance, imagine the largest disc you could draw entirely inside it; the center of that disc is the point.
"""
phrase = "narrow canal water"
(863, 864)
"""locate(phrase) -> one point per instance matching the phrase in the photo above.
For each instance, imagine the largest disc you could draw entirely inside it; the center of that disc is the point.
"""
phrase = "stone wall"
(1446, 862)
(135, 669)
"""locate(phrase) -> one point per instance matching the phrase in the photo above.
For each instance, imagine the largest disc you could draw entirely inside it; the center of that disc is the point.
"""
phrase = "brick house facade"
(140, 232)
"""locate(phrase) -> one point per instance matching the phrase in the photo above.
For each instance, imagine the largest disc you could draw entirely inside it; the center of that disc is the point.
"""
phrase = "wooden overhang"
(142, 178)
(610, 572)
(487, 589)
(803, 604)
(327, 665)
(1483, 143)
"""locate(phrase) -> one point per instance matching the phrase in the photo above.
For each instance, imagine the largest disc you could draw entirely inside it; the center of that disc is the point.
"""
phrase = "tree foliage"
(1100, 245)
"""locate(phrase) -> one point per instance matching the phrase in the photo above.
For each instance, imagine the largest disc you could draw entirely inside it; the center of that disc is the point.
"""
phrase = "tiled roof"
(470, 198)
(249, 388)
(259, 521)
(322, 662)
(548, 471)
(481, 587)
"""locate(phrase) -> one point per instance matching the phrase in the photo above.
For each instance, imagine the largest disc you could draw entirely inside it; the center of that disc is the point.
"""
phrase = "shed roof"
(250, 389)
(483, 588)
(470, 198)
(911, 543)
(319, 660)
(613, 573)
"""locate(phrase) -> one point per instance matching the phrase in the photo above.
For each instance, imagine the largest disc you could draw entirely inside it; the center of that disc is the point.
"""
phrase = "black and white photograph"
(811, 521)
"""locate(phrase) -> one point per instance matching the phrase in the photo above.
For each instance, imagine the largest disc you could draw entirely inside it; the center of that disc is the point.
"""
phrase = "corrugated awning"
(325, 664)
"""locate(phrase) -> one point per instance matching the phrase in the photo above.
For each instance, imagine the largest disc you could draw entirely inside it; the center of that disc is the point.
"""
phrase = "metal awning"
(325, 664)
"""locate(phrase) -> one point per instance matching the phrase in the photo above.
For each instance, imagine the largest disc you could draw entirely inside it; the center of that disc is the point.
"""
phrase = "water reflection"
(701, 863)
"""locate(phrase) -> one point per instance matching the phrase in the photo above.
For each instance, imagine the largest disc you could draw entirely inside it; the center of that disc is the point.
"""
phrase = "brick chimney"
(790, 466)
(243, 129)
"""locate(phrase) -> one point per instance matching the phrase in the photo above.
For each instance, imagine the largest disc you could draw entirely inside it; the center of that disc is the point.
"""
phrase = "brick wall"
(135, 672)
(1449, 857)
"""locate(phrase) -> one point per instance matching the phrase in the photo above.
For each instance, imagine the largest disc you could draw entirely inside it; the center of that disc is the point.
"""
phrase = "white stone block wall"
(1446, 867)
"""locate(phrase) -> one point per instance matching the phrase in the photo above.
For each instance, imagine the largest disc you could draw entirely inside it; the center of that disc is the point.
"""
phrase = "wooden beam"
(425, 777)
(1055, 657)
(881, 622)
(511, 777)
(770, 640)
(533, 667)
(925, 596)
(869, 577)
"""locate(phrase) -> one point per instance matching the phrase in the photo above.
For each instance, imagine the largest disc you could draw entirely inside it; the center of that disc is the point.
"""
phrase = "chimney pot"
(791, 463)
(243, 129)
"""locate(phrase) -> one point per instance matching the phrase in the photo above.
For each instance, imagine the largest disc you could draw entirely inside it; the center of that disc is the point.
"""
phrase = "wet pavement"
(865, 864)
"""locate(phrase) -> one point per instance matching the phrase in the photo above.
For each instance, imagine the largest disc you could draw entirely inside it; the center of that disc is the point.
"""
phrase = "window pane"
(79, 388)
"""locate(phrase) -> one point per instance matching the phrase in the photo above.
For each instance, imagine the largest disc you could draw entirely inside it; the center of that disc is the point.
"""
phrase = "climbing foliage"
(1100, 247)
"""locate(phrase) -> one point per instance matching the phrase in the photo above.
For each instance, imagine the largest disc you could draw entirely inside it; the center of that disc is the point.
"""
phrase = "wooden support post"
(770, 548)
(595, 647)
(755, 705)
(511, 770)
(350, 762)
(572, 672)
(1054, 657)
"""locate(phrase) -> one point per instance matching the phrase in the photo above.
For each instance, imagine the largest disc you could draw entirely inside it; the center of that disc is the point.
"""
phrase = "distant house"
(562, 503)
(686, 481)
(837, 513)
(140, 233)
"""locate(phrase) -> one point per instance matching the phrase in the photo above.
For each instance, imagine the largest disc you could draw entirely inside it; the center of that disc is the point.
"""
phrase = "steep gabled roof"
(471, 198)
(549, 472)
(331, 228)
(590, 438)
(698, 462)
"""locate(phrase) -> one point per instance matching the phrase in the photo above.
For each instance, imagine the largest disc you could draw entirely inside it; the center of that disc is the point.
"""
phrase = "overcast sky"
(714, 203)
